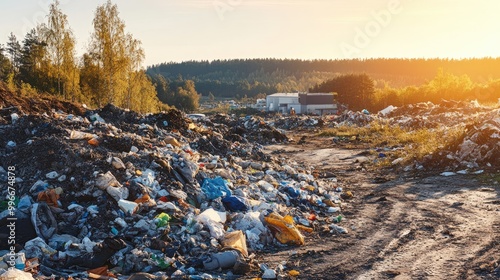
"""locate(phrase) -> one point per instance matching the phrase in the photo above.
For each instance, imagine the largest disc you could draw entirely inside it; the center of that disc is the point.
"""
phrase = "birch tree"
(108, 47)
(119, 57)
(61, 48)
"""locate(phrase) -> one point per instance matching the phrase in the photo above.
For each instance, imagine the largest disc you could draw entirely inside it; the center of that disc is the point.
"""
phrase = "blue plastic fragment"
(214, 188)
(235, 203)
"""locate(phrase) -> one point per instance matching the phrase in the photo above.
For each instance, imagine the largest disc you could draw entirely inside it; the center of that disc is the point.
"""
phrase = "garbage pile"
(430, 115)
(245, 129)
(298, 122)
(111, 193)
(480, 147)
(354, 118)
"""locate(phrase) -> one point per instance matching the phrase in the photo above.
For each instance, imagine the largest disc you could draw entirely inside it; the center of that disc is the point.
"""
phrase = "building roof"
(285, 94)
(296, 94)
(318, 93)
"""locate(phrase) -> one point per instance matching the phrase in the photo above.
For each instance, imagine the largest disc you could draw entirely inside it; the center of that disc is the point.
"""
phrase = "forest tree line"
(358, 91)
(226, 78)
(369, 83)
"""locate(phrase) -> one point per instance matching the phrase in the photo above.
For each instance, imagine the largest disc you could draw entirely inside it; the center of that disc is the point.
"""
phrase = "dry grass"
(398, 142)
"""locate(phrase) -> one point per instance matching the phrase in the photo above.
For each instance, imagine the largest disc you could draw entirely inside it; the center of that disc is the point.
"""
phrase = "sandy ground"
(403, 227)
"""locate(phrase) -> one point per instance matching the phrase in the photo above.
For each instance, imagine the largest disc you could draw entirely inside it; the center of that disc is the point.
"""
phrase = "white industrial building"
(302, 103)
(283, 102)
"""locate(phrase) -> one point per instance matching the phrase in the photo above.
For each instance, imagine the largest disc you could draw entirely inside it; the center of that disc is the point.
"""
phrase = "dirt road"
(403, 227)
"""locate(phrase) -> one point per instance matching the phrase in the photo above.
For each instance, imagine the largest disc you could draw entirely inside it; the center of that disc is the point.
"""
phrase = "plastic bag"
(236, 240)
(117, 163)
(50, 196)
(117, 192)
(214, 221)
(16, 274)
(214, 188)
(105, 180)
(37, 248)
(43, 221)
(77, 135)
(284, 229)
(172, 141)
(145, 200)
(221, 260)
(235, 203)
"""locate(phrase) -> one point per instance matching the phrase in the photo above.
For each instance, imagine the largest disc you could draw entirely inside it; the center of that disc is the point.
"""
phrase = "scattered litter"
(110, 192)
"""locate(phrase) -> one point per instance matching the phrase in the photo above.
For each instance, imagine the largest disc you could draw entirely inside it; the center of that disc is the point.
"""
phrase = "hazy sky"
(179, 30)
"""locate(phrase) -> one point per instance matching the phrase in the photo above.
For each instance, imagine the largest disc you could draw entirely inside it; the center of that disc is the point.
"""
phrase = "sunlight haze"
(180, 30)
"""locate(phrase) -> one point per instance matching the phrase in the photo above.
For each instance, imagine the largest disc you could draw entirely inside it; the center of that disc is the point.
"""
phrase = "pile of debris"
(14, 104)
(354, 118)
(298, 122)
(479, 149)
(246, 129)
(430, 115)
(111, 193)
(476, 150)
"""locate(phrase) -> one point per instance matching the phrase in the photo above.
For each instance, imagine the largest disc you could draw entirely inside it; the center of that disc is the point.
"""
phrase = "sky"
(181, 30)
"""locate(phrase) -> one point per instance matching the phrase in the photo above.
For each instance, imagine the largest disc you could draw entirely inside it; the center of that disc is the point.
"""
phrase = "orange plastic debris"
(143, 199)
(51, 196)
(93, 142)
(100, 273)
(284, 229)
(347, 195)
(304, 228)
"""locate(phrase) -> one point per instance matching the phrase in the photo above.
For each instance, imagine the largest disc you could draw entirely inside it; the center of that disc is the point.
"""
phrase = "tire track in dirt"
(443, 230)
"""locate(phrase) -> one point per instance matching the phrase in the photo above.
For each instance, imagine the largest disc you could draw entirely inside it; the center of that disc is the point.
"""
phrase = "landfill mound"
(476, 151)
(479, 149)
(113, 193)
(247, 129)
(351, 118)
(430, 115)
(15, 103)
(298, 122)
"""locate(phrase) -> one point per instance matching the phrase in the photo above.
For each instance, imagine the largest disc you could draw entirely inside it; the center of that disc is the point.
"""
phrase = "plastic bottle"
(20, 261)
(221, 260)
(160, 262)
(337, 219)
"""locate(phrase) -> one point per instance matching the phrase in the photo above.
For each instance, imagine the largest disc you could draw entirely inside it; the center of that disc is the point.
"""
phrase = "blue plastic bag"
(235, 203)
(292, 192)
(214, 188)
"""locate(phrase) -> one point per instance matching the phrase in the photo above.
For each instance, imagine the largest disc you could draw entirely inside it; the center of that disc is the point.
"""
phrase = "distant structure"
(302, 103)
(283, 102)
(260, 104)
